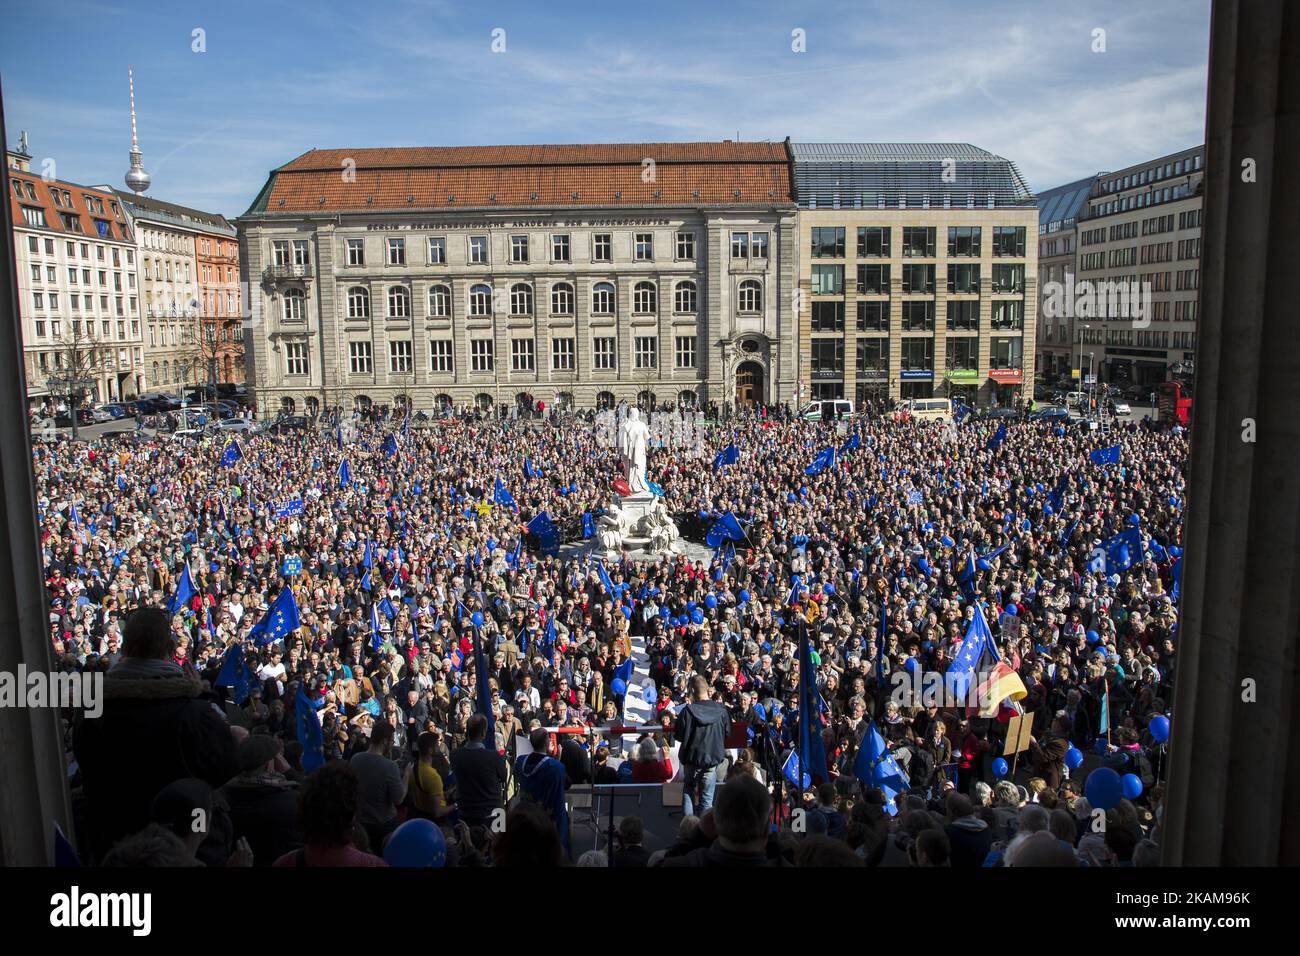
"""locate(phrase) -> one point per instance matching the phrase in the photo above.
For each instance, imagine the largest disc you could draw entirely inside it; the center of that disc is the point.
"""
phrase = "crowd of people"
(423, 601)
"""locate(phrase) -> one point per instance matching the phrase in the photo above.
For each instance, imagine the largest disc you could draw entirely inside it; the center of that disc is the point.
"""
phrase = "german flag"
(1000, 684)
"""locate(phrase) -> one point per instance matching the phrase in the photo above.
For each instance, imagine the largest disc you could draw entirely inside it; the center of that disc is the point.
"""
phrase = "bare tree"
(78, 364)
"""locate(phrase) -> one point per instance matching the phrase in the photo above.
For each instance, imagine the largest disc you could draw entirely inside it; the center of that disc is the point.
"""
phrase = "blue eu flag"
(309, 733)
(279, 620)
(726, 528)
(236, 675)
(999, 437)
(812, 750)
(825, 459)
(875, 766)
(231, 453)
(185, 592)
(1105, 456)
(1119, 553)
(502, 496)
(728, 456)
(345, 474)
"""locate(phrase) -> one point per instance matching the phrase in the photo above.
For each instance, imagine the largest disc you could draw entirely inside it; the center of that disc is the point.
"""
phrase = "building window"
(399, 303)
(964, 354)
(740, 245)
(828, 242)
(440, 355)
(873, 356)
(750, 296)
(828, 280)
(359, 358)
(356, 252)
(1009, 241)
(873, 279)
(562, 299)
(602, 247)
(396, 252)
(521, 299)
(439, 302)
(918, 316)
(562, 355)
(686, 245)
(295, 305)
(918, 241)
(521, 355)
(603, 355)
(828, 316)
(437, 251)
(34, 216)
(643, 298)
(358, 303)
(758, 245)
(873, 316)
(602, 299)
(480, 300)
(644, 247)
(399, 357)
(918, 354)
(963, 240)
(964, 316)
(560, 248)
(1012, 278)
(1008, 314)
(1005, 353)
(685, 351)
(684, 297)
(964, 279)
(873, 241)
(646, 351)
(300, 255)
(827, 358)
(480, 355)
(518, 248)
(478, 250)
(918, 279)
(295, 358)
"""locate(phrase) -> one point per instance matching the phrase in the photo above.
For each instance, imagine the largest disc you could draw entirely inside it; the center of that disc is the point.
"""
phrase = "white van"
(930, 409)
(840, 408)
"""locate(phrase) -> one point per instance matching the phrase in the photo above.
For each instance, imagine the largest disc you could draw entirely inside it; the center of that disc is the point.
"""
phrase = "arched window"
(521, 299)
(602, 298)
(167, 370)
(561, 299)
(643, 298)
(606, 400)
(442, 401)
(399, 302)
(480, 301)
(440, 302)
(295, 305)
(155, 377)
(684, 297)
(750, 298)
(687, 398)
(358, 303)
(484, 399)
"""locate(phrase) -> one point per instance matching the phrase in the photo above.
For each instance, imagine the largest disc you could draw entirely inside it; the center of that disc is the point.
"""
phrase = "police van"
(830, 409)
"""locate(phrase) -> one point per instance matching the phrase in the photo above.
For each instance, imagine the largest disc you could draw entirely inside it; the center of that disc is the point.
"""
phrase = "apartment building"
(1058, 214)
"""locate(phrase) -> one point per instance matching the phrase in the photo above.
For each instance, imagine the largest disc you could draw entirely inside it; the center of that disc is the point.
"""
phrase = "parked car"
(996, 413)
(1122, 408)
(184, 434)
(99, 415)
(289, 423)
(238, 425)
(1050, 413)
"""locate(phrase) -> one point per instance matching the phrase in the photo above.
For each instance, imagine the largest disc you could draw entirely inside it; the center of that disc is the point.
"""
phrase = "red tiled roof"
(513, 176)
(53, 222)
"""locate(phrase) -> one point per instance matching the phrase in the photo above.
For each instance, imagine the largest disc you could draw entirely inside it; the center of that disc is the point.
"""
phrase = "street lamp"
(71, 384)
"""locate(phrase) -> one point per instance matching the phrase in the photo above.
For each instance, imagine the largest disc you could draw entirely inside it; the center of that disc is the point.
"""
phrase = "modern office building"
(917, 272)
(1142, 225)
(80, 307)
(1058, 213)
(572, 274)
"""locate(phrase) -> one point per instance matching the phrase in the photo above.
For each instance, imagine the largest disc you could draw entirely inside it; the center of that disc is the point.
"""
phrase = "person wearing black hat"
(263, 803)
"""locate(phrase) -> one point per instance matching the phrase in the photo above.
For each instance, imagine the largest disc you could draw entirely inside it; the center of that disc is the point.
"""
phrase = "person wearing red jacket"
(651, 763)
(973, 749)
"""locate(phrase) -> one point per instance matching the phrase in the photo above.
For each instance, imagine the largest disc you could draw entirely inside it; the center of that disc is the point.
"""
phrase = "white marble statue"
(632, 435)
(612, 527)
(661, 529)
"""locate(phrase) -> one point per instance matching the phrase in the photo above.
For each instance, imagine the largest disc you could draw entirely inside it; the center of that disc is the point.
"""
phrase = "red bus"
(1174, 405)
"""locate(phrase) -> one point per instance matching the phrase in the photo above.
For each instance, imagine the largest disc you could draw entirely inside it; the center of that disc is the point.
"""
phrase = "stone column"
(1235, 755)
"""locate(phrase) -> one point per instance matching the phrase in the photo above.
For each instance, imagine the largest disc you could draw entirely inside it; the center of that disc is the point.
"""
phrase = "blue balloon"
(1026, 524)
(1176, 551)
(1134, 520)
(618, 686)
(627, 612)
(650, 695)
(1132, 786)
(1060, 429)
(1099, 745)
(983, 565)
(1047, 509)
(911, 665)
(711, 601)
(1159, 728)
(477, 618)
(946, 541)
(1093, 637)
(690, 605)
(1010, 609)
(1104, 789)
(697, 616)
(1074, 758)
(744, 597)
(665, 613)
(1173, 503)
(1000, 767)
(828, 587)
(416, 843)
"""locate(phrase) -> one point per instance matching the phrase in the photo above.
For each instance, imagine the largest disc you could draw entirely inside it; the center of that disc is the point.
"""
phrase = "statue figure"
(613, 525)
(632, 435)
(660, 527)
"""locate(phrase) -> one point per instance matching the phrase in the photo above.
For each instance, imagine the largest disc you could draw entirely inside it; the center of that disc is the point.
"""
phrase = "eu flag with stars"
(961, 672)
(236, 675)
(309, 733)
(875, 766)
(812, 750)
(278, 621)
(345, 474)
(231, 453)
(185, 592)
(390, 445)
(854, 443)
(502, 496)
(1105, 456)
(825, 459)
(1119, 553)
(726, 528)
(728, 456)
(999, 437)
(548, 536)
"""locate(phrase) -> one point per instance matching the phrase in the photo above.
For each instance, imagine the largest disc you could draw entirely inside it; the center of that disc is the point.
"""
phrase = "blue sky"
(1017, 78)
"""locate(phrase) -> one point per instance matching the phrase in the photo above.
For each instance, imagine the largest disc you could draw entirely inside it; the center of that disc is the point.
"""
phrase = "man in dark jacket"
(263, 803)
(481, 774)
(1047, 759)
(742, 817)
(969, 837)
(702, 729)
(154, 729)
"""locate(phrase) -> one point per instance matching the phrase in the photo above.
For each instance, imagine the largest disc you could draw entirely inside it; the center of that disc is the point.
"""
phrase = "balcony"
(287, 272)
